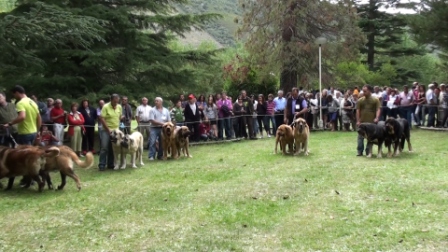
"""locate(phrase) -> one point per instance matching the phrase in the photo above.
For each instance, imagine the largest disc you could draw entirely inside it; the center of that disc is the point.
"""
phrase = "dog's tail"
(83, 164)
(51, 152)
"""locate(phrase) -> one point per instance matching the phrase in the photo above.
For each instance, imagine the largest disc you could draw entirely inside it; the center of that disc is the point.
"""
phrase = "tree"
(280, 36)
(384, 31)
(135, 58)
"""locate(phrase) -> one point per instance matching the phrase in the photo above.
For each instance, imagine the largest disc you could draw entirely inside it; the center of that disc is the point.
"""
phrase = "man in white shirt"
(157, 117)
(142, 117)
(280, 104)
(431, 105)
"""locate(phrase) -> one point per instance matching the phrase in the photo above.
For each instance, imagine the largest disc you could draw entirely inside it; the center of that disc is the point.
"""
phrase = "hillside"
(222, 30)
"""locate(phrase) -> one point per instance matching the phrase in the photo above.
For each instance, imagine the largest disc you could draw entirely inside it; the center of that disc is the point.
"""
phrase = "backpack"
(225, 110)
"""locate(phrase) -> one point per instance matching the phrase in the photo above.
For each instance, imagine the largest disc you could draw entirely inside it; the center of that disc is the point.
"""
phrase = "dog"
(398, 133)
(301, 136)
(285, 137)
(64, 164)
(116, 137)
(181, 140)
(168, 140)
(132, 144)
(374, 134)
(25, 161)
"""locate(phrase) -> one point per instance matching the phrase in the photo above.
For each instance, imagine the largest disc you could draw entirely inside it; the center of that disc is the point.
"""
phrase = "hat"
(191, 96)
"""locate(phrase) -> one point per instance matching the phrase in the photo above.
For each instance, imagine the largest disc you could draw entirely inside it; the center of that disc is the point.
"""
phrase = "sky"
(396, 10)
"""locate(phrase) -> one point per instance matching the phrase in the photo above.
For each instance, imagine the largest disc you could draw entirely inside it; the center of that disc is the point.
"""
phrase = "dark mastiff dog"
(375, 134)
(397, 132)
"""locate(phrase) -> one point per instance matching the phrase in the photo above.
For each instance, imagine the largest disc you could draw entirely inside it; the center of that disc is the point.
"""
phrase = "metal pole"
(320, 88)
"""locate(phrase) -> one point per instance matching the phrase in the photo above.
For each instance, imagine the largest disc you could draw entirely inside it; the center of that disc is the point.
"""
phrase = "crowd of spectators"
(221, 117)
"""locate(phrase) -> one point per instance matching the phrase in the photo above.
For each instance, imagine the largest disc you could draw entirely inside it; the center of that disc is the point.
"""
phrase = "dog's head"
(362, 130)
(390, 126)
(185, 132)
(127, 141)
(116, 136)
(283, 130)
(168, 129)
(300, 124)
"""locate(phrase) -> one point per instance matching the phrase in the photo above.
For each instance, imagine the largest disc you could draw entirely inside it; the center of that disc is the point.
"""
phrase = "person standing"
(46, 119)
(431, 105)
(7, 114)
(406, 105)
(177, 114)
(76, 129)
(142, 118)
(90, 115)
(98, 113)
(224, 113)
(248, 114)
(127, 114)
(192, 115)
(368, 110)
(280, 104)
(58, 116)
(28, 119)
(158, 116)
(296, 107)
(110, 117)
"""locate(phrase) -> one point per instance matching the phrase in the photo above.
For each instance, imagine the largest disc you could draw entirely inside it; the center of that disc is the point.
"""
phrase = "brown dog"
(64, 164)
(301, 136)
(285, 137)
(168, 143)
(24, 161)
(181, 139)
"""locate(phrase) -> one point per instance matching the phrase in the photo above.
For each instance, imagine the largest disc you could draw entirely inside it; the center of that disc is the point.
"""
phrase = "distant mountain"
(222, 30)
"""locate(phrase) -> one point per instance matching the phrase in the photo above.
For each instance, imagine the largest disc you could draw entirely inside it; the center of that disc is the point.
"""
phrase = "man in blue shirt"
(280, 104)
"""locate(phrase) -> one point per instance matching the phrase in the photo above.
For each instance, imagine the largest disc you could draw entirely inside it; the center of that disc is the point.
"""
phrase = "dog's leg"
(396, 148)
(72, 175)
(389, 151)
(369, 146)
(380, 150)
(409, 144)
(10, 183)
(46, 178)
(63, 180)
(296, 149)
(305, 147)
(187, 151)
(116, 163)
(40, 183)
(124, 161)
(133, 157)
(276, 144)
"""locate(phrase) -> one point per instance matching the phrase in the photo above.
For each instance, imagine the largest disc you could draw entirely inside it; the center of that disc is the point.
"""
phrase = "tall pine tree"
(134, 58)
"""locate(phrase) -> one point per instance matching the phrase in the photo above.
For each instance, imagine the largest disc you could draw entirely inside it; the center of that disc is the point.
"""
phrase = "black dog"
(397, 132)
(375, 134)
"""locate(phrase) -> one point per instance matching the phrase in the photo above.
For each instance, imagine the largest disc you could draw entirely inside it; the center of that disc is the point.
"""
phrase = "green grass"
(242, 197)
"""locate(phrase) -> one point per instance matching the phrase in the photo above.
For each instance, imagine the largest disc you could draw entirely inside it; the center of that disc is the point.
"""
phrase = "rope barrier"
(338, 109)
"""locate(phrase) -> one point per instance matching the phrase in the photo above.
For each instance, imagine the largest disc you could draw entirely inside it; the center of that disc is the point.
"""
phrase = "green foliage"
(128, 53)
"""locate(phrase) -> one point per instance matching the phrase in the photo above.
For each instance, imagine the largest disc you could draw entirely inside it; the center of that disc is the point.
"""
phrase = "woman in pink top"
(270, 110)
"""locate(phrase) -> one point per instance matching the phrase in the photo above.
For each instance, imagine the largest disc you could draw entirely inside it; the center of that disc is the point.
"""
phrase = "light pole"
(320, 41)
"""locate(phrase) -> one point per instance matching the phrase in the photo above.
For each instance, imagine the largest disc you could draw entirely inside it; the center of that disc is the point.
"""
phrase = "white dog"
(123, 144)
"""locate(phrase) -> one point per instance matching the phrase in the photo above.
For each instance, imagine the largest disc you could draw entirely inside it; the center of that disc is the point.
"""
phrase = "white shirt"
(390, 103)
(143, 113)
(430, 96)
(193, 107)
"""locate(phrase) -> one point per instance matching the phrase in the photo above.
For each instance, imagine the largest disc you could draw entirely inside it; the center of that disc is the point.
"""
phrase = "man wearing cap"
(157, 117)
(192, 117)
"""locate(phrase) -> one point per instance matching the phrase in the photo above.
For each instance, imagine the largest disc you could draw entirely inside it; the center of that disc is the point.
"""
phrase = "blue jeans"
(155, 133)
(224, 125)
(27, 139)
(106, 152)
(272, 119)
(361, 145)
(406, 113)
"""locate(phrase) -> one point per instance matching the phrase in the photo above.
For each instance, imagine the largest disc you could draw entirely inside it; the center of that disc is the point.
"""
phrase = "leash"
(293, 121)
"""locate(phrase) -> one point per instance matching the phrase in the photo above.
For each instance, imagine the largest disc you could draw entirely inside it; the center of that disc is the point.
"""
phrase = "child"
(46, 137)
(204, 130)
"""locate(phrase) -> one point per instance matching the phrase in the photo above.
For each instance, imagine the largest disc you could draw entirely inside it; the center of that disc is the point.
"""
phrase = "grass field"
(242, 197)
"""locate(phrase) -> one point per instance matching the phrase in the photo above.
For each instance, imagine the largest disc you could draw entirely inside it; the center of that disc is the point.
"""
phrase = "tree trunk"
(288, 79)
(371, 36)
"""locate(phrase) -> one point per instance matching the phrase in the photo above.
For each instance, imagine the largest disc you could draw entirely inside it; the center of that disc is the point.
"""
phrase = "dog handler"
(110, 117)
(368, 110)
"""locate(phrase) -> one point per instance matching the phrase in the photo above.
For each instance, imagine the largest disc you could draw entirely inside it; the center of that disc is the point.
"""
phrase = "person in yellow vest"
(110, 117)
